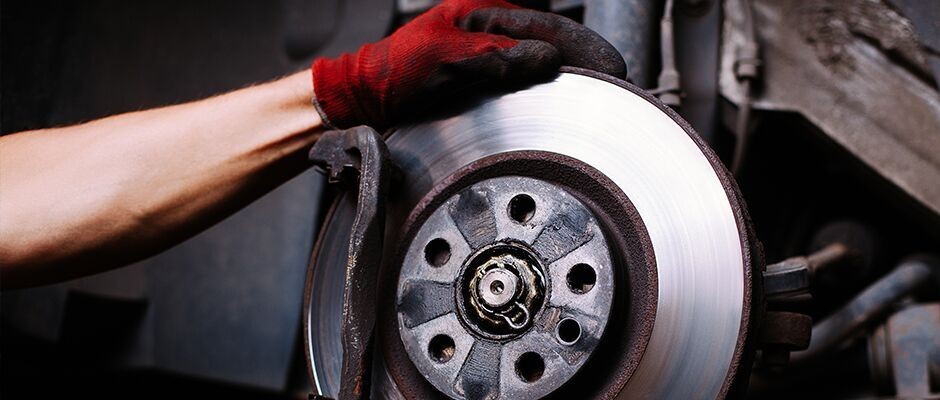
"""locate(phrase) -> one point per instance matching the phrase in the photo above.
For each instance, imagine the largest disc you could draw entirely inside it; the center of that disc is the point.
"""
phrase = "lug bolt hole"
(521, 208)
(581, 278)
(568, 331)
(441, 348)
(437, 252)
(530, 367)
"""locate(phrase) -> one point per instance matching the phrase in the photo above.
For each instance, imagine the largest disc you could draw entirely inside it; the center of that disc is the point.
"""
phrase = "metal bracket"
(785, 281)
(358, 154)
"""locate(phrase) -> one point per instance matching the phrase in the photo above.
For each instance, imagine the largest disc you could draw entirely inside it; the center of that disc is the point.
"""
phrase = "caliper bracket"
(358, 154)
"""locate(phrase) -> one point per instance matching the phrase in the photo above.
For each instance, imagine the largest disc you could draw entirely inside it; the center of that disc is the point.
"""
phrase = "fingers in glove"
(526, 63)
(529, 61)
(463, 83)
(578, 45)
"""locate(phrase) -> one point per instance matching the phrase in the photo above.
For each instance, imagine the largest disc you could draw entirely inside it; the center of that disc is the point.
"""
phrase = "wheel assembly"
(575, 238)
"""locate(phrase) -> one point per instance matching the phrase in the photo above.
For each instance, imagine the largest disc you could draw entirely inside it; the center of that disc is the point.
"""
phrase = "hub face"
(505, 290)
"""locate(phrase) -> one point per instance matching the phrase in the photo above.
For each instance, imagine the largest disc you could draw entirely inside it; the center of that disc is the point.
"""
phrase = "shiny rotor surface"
(685, 208)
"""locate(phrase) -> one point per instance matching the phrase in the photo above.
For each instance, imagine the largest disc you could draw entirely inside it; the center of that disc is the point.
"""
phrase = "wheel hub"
(512, 326)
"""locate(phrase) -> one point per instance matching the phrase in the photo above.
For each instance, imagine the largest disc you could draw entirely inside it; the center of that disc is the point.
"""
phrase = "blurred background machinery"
(826, 113)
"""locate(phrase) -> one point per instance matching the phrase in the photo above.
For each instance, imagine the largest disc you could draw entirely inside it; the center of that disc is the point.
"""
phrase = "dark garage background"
(219, 314)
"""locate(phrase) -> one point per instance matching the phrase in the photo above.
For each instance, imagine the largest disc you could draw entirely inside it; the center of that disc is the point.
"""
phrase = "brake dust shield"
(606, 177)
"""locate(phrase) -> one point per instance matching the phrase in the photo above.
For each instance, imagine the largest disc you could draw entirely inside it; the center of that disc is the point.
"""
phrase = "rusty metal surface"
(787, 329)
(790, 277)
(358, 154)
(438, 300)
(615, 360)
(925, 16)
(781, 333)
(793, 276)
(865, 309)
(831, 27)
(833, 63)
(787, 284)
(903, 352)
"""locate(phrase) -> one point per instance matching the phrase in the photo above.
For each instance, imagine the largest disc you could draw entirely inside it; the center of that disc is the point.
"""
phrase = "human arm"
(86, 198)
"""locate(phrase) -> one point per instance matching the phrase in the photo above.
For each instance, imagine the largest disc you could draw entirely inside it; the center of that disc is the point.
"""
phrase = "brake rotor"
(478, 297)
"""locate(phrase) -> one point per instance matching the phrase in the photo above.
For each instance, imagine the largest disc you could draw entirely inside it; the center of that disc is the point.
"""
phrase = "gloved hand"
(450, 49)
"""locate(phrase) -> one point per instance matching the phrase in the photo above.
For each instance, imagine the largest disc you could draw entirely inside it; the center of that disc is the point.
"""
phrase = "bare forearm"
(90, 197)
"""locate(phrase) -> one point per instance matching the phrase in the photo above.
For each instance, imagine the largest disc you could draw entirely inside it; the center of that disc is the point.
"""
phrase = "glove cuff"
(333, 94)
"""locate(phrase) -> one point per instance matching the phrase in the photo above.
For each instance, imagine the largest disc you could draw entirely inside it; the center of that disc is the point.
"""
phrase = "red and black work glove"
(453, 47)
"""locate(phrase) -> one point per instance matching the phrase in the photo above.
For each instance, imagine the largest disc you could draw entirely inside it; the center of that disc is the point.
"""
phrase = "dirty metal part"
(856, 264)
(358, 154)
(747, 55)
(484, 301)
(866, 308)
(876, 109)
(668, 87)
(827, 256)
(829, 27)
(788, 278)
(505, 290)
(781, 333)
(697, 26)
(746, 67)
(924, 17)
(613, 361)
(629, 25)
(793, 276)
(904, 351)
(686, 206)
